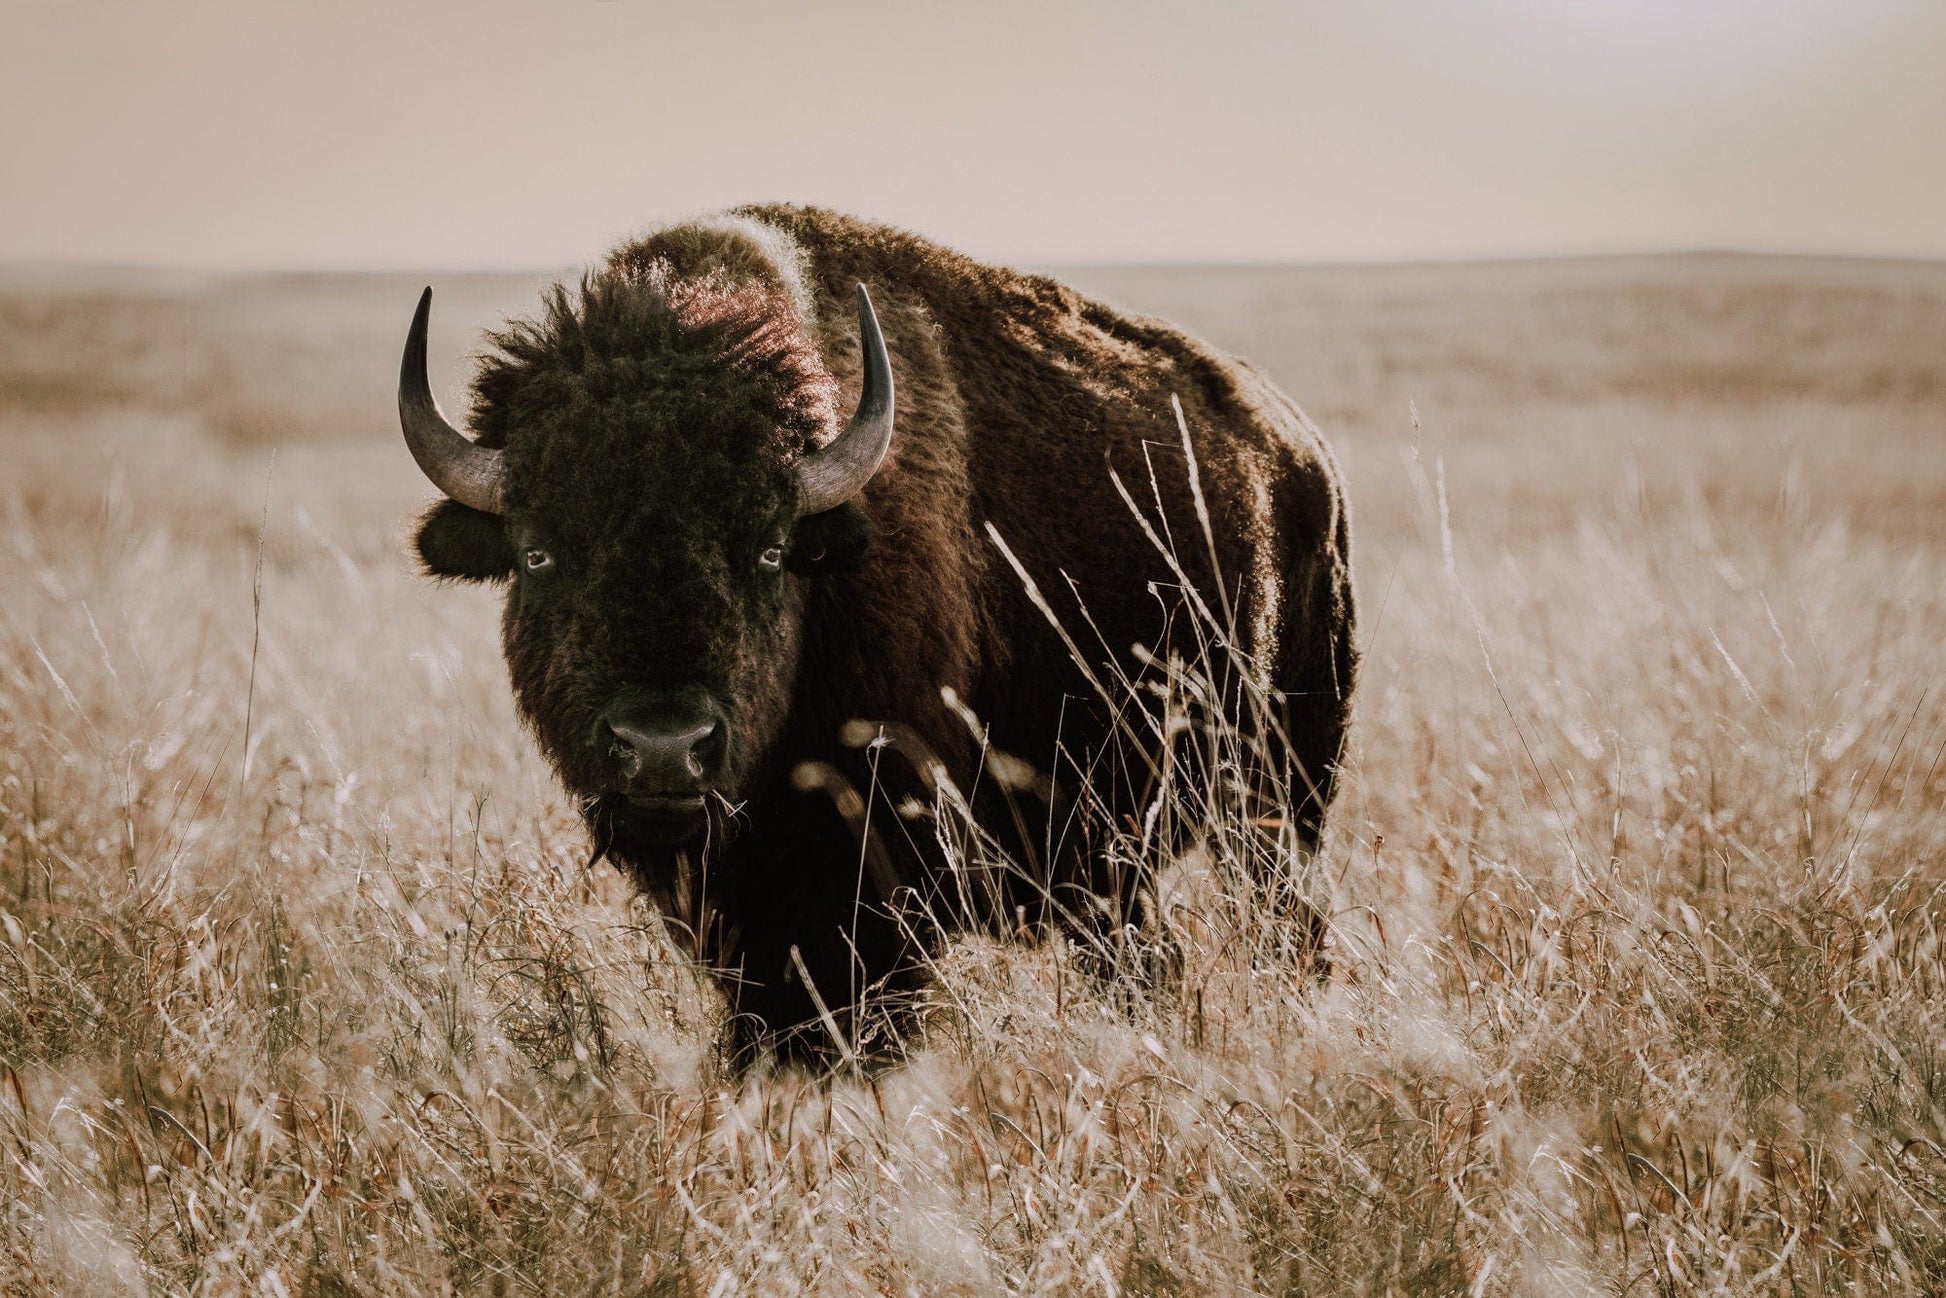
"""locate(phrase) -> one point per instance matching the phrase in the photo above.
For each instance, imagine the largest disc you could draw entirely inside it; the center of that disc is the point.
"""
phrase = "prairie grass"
(1637, 874)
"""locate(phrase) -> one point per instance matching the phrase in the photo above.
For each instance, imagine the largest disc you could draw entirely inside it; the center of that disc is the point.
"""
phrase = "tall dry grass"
(1636, 871)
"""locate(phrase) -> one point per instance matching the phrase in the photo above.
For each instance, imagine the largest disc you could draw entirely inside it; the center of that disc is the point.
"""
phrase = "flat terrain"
(1638, 875)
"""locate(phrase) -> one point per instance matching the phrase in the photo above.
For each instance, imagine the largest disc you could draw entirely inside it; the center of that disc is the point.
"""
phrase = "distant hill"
(282, 357)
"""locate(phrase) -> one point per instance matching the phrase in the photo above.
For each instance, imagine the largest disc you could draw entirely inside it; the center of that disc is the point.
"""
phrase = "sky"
(423, 134)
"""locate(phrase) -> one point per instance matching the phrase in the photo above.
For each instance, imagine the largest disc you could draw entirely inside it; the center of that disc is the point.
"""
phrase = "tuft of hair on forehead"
(726, 244)
(640, 319)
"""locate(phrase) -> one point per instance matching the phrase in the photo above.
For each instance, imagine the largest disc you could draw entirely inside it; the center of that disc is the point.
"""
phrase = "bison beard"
(780, 662)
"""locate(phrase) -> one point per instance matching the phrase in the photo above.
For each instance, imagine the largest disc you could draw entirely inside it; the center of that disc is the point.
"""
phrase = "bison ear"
(833, 541)
(465, 544)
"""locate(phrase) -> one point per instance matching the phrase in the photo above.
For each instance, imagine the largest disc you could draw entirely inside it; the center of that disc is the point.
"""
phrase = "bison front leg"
(815, 967)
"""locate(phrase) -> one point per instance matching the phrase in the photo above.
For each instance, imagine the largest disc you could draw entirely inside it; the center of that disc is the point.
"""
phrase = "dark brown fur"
(650, 425)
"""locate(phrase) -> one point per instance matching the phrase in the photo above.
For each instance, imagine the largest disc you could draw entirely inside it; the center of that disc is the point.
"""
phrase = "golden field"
(1637, 876)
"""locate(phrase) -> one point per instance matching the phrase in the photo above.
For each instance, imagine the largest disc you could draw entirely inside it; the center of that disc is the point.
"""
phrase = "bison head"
(656, 478)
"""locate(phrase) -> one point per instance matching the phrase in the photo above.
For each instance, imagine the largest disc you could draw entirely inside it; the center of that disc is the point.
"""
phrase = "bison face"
(643, 482)
(652, 635)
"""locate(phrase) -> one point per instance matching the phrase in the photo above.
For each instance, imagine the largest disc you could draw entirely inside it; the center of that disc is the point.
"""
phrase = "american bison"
(831, 689)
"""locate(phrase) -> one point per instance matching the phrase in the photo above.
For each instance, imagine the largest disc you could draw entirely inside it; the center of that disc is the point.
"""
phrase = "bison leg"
(1246, 791)
(816, 968)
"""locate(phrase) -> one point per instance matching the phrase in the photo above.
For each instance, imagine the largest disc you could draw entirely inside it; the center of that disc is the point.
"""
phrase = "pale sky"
(438, 134)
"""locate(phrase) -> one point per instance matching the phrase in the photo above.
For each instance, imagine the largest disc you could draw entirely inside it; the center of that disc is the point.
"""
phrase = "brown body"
(1016, 399)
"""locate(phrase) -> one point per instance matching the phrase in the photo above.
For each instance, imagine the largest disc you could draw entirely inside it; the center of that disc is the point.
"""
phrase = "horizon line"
(382, 268)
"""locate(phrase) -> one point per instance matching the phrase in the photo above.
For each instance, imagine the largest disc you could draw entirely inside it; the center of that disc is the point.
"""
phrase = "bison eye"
(772, 559)
(536, 559)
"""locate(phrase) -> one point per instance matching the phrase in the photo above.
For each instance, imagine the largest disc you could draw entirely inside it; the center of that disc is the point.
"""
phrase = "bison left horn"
(831, 475)
(466, 471)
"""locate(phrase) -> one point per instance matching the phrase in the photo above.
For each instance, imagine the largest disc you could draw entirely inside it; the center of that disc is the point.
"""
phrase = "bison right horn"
(468, 472)
(831, 475)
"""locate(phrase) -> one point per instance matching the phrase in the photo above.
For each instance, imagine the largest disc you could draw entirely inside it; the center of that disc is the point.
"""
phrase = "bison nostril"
(625, 754)
(708, 751)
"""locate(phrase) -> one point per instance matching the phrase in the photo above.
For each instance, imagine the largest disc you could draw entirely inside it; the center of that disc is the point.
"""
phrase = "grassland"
(1638, 875)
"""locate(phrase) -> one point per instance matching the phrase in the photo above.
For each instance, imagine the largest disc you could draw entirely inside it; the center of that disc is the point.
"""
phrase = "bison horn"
(469, 473)
(830, 476)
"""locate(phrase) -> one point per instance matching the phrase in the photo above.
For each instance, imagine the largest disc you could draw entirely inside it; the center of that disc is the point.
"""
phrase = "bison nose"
(662, 755)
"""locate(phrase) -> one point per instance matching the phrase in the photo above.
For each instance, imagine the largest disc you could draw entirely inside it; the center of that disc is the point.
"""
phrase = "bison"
(830, 690)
